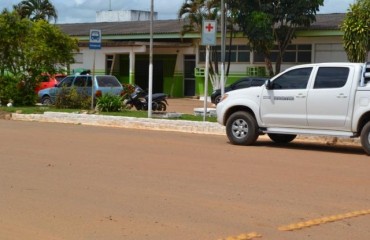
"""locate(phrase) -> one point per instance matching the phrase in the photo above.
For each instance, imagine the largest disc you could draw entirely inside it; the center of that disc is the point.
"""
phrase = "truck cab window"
(331, 77)
(294, 79)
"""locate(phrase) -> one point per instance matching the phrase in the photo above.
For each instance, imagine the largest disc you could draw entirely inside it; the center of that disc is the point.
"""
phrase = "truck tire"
(281, 138)
(365, 138)
(242, 128)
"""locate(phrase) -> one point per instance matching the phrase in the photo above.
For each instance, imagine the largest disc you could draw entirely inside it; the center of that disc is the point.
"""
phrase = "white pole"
(92, 82)
(150, 62)
(206, 83)
(222, 84)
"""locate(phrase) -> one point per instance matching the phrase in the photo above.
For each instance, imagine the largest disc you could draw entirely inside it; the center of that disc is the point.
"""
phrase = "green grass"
(125, 113)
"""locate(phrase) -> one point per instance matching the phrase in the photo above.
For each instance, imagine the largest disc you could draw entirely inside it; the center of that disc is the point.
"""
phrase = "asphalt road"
(71, 182)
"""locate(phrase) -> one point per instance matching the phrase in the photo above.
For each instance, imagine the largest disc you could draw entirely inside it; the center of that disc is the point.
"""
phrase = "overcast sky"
(76, 11)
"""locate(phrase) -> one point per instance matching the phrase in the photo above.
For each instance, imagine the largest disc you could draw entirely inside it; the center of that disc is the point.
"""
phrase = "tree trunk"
(229, 57)
(268, 64)
(279, 60)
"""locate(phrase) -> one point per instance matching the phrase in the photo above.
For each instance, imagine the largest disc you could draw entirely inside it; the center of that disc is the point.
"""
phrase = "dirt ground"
(76, 182)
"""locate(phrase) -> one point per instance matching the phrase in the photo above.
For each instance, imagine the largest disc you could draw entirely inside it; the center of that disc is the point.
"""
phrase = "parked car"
(241, 83)
(102, 84)
(49, 81)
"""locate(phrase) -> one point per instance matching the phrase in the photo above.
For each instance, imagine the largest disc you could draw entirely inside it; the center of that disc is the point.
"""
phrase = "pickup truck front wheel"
(365, 138)
(242, 128)
(281, 138)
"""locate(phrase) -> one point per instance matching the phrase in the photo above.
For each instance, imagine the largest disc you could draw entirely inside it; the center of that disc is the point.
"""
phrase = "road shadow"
(313, 146)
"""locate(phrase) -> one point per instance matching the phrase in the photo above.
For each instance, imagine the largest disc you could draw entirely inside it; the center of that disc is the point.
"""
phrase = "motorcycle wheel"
(162, 107)
(155, 106)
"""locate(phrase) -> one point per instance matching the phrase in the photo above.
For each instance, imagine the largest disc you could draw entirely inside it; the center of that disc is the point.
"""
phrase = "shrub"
(21, 92)
(109, 103)
(8, 87)
(71, 98)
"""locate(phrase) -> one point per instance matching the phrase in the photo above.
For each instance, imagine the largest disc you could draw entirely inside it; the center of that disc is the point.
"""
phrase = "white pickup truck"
(328, 99)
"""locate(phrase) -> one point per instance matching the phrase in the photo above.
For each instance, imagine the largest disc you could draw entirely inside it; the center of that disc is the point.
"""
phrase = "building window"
(295, 53)
(237, 53)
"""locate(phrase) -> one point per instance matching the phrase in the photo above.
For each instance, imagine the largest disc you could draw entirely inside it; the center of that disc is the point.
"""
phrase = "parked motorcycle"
(139, 99)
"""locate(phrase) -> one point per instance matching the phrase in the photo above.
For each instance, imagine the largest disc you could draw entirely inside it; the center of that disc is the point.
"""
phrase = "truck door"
(284, 104)
(328, 100)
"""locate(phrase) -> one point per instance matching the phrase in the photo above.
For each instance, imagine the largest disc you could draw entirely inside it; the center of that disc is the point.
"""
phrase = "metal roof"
(328, 21)
(323, 22)
(123, 28)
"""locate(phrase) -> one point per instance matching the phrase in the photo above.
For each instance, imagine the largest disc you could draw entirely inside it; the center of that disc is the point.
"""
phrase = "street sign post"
(94, 43)
(209, 32)
(209, 38)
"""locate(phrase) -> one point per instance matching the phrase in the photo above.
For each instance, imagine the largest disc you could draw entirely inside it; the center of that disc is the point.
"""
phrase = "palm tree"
(193, 12)
(36, 10)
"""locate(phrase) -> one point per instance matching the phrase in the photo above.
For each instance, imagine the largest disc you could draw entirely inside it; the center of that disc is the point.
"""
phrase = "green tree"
(194, 11)
(28, 50)
(36, 10)
(14, 31)
(356, 28)
(270, 22)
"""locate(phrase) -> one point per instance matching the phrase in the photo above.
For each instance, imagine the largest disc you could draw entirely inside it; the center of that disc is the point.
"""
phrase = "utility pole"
(223, 43)
(150, 62)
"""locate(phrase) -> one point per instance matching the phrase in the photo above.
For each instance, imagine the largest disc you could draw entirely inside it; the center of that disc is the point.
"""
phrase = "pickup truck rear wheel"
(365, 138)
(281, 138)
(242, 128)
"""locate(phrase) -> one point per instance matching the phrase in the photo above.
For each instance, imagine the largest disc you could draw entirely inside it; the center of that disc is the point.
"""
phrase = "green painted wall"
(124, 68)
(174, 86)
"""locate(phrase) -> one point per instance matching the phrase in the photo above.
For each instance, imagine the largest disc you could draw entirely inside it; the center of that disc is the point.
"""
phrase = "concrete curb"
(125, 122)
(154, 124)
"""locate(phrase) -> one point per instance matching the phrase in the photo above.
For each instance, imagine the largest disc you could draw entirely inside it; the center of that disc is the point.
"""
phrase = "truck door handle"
(341, 95)
(300, 95)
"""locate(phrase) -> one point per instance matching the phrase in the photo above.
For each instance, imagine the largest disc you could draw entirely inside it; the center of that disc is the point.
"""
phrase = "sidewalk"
(125, 122)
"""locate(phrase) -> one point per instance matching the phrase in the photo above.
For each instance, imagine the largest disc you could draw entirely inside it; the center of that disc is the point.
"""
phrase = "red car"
(49, 82)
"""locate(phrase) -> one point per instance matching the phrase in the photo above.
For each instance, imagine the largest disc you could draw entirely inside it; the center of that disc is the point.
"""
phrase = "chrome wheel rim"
(240, 128)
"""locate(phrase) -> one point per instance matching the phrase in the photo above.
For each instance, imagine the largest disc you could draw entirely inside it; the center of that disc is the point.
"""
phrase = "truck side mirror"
(268, 84)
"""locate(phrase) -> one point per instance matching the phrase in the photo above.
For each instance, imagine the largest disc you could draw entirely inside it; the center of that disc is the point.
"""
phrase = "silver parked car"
(102, 84)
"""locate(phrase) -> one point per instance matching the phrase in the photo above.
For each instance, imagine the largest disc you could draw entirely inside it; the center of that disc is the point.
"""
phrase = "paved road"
(71, 182)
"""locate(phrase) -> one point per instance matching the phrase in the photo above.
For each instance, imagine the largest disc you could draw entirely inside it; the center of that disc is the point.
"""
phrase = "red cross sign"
(209, 27)
(209, 32)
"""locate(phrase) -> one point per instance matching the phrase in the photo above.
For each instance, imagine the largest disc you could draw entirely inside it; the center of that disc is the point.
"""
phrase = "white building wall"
(324, 49)
(124, 16)
(87, 56)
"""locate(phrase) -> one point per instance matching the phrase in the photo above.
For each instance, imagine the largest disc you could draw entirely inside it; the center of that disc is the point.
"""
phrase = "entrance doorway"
(142, 75)
(189, 76)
